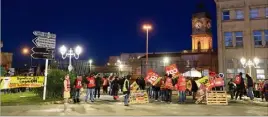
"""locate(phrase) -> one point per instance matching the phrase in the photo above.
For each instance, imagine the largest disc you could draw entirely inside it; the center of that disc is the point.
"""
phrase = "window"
(239, 39)
(230, 73)
(260, 73)
(266, 12)
(266, 37)
(226, 15)
(257, 38)
(239, 14)
(228, 39)
(254, 13)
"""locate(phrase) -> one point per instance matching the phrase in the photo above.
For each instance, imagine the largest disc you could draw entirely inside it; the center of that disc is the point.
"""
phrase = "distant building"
(242, 32)
(202, 57)
(6, 58)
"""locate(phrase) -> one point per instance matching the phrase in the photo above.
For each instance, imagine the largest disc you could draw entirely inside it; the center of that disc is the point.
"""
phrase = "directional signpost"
(45, 43)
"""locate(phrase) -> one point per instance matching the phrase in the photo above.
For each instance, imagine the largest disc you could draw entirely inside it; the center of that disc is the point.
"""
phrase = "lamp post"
(249, 63)
(26, 51)
(70, 53)
(147, 27)
(90, 64)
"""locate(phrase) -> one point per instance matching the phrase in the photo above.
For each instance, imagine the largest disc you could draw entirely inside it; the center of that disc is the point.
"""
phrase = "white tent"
(192, 73)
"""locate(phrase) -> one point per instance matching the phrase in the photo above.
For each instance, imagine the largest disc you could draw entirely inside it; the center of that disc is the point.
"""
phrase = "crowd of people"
(161, 91)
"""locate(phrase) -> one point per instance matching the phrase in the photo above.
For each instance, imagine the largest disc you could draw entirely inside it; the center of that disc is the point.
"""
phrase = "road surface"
(106, 106)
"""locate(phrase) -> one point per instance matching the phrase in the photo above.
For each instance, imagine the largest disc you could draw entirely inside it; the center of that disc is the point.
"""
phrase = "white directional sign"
(44, 34)
(45, 42)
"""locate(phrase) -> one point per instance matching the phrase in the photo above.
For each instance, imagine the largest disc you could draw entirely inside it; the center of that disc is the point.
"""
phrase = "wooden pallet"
(216, 98)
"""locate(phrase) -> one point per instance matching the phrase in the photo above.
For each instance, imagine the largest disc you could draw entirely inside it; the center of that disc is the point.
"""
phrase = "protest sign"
(152, 77)
(134, 86)
(173, 70)
(21, 81)
(138, 97)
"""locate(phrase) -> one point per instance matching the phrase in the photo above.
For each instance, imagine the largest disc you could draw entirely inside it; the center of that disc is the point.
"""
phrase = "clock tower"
(201, 31)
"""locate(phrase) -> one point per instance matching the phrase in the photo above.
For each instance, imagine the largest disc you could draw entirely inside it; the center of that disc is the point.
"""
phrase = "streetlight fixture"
(70, 53)
(26, 51)
(147, 27)
(90, 64)
(249, 63)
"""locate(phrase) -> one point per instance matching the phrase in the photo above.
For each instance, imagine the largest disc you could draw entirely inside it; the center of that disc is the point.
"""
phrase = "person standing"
(169, 87)
(157, 90)
(97, 87)
(163, 89)
(194, 88)
(181, 87)
(66, 92)
(250, 87)
(90, 88)
(240, 86)
(232, 87)
(126, 90)
(77, 86)
(115, 88)
(105, 85)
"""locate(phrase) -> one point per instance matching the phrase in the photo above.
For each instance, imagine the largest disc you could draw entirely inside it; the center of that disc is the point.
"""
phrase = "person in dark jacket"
(98, 85)
(250, 87)
(240, 88)
(115, 88)
(232, 87)
(194, 88)
(142, 83)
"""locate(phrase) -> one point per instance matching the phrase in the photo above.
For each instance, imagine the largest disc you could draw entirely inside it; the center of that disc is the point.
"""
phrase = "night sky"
(102, 27)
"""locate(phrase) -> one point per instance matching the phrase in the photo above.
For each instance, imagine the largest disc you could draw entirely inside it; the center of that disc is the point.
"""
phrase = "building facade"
(242, 32)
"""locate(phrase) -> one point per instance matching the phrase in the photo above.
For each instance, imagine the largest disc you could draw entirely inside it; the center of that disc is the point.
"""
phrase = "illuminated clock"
(198, 24)
(208, 25)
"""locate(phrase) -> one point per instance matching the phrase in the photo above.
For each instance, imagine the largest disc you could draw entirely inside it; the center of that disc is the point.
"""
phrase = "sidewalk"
(246, 100)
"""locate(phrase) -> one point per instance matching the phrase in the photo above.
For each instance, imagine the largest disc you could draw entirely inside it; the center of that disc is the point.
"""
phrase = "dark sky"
(102, 27)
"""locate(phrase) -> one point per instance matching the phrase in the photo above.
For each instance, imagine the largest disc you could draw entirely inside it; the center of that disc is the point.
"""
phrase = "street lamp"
(70, 53)
(166, 61)
(249, 63)
(26, 51)
(147, 27)
(90, 63)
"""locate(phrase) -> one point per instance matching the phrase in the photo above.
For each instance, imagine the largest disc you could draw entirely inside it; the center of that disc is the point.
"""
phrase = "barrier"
(216, 98)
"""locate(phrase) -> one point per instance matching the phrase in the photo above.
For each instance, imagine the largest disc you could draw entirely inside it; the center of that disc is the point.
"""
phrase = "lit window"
(228, 39)
(257, 38)
(254, 13)
(266, 12)
(260, 74)
(266, 37)
(239, 14)
(239, 39)
(226, 15)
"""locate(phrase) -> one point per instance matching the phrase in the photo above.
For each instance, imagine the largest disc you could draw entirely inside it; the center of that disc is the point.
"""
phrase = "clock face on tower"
(198, 25)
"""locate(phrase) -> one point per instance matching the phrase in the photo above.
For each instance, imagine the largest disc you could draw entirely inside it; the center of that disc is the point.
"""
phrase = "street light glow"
(147, 27)
(243, 60)
(166, 60)
(90, 61)
(256, 60)
(25, 51)
(78, 50)
(118, 61)
(63, 49)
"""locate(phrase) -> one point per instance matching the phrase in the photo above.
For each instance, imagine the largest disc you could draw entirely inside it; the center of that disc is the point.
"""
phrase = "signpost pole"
(45, 81)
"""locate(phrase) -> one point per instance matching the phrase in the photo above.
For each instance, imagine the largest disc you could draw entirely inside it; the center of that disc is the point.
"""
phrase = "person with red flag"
(90, 88)
(77, 86)
(181, 87)
(169, 87)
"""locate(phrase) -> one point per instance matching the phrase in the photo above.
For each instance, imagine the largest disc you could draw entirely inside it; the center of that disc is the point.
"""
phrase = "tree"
(55, 84)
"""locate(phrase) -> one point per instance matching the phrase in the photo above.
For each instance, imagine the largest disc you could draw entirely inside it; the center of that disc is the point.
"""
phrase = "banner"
(138, 97)
(152, 77)
(134, 86)
(173, 70)
(21, 81)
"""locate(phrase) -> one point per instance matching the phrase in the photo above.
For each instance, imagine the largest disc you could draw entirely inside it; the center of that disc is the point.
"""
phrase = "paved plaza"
(106, 106)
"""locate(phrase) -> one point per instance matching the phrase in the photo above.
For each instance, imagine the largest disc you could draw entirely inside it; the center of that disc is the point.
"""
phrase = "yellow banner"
(21, 81)
(138, 97)
(134, 86)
